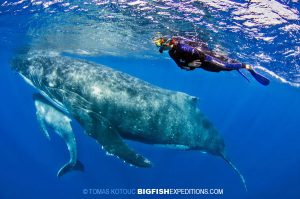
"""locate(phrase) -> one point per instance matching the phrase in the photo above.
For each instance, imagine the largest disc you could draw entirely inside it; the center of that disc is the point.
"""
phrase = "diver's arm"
(188, 68)
(191, 54)
(180, 63)
(183, 65)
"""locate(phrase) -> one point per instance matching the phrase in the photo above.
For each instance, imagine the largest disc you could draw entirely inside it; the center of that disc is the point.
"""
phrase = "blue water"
(259, 124)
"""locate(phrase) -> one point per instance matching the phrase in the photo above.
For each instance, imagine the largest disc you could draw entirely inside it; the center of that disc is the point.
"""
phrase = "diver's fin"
(70, 167)
(243, 75)
(260, 78)
(107, 136)
(235, 169)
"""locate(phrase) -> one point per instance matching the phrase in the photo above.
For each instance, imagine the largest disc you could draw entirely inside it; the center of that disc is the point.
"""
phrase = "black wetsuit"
(183, 54)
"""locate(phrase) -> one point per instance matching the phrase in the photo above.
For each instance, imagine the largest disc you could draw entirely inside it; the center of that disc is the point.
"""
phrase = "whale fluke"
(235, 169)
(70, 167)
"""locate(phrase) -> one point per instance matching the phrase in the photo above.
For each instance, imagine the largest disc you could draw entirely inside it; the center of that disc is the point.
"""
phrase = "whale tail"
(235, 169)
(70, 167)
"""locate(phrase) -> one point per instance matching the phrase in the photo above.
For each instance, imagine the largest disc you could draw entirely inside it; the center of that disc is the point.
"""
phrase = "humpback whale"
(48, 115)
(113, 106)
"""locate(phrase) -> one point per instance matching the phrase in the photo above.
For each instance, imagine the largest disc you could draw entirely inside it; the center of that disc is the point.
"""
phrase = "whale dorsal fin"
(107, 136)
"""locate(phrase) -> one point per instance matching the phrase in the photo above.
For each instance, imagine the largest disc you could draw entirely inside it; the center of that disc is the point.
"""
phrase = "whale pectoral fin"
(70, 167)
(112, 142)
(42, 125)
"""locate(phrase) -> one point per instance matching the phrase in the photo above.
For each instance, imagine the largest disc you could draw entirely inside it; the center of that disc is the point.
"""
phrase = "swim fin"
(260, 78)
(243, 75)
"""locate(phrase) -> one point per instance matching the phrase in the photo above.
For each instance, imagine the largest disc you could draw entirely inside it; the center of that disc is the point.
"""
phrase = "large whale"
(112, 106)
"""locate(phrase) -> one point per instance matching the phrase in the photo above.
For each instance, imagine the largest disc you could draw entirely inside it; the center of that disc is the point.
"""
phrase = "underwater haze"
(259, 124)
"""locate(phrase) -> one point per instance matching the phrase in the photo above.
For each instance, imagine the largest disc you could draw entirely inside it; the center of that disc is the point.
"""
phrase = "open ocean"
(260, 124)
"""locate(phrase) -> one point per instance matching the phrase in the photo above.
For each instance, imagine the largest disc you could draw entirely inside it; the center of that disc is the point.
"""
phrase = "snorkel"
(163, 43)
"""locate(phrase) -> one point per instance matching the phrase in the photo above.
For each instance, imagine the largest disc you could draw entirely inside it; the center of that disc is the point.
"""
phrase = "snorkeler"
(190, 55)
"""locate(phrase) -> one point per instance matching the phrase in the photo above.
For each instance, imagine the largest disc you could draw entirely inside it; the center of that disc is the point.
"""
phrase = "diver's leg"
(259, 77)
(222, 66)
(218, 64)
(234, 66)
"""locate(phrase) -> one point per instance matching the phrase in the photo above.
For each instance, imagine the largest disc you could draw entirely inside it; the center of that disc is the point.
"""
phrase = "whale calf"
(48, 115)
(112, 106)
